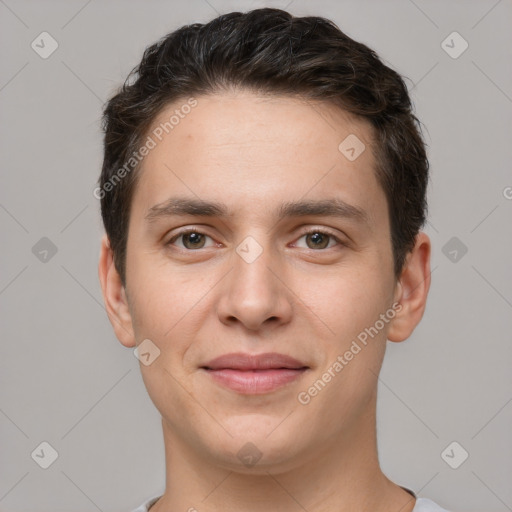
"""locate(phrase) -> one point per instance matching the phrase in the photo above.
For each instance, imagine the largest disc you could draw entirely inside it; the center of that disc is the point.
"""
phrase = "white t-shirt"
(422, 504)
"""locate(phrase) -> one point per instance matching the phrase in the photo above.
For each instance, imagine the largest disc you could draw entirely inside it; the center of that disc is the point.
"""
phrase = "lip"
(254, 374)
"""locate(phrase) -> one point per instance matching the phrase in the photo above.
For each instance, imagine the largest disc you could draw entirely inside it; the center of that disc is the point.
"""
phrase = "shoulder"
(144, 507)
(426, 505)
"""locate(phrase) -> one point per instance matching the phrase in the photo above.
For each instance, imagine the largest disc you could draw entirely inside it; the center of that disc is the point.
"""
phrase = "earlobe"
(412, 290)
(114, 296)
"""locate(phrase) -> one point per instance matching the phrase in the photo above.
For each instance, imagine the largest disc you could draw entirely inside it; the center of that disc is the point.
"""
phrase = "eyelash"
(312, 231)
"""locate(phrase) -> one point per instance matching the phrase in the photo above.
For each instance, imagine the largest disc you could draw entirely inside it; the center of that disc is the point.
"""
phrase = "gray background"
(64, 377)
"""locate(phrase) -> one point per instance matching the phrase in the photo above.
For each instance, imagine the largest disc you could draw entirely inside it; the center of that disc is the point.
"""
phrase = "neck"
(341, 474)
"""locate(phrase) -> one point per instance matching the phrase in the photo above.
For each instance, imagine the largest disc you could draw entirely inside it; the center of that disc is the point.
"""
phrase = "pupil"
(317, 237)
(194, 238)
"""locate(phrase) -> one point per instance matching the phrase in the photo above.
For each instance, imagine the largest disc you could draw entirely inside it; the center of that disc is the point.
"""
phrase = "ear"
(114, 296)
(412, 290)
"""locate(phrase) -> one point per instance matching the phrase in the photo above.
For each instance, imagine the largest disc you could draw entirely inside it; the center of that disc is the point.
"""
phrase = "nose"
(255, 293)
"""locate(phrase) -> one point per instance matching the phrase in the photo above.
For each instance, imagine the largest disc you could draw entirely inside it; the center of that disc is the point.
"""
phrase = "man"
(263, 190)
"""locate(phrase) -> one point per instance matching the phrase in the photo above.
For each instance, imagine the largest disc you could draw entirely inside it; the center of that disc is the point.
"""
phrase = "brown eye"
(318, 239)
(193, 240)
(190, 240)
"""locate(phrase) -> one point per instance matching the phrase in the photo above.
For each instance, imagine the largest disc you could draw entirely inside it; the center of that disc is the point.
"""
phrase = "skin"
(253, 153)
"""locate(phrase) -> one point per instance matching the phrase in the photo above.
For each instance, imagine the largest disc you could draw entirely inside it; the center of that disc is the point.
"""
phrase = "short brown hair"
(268, 51)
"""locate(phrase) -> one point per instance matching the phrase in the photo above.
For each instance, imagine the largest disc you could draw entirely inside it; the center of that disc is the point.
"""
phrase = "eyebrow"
(182, 206)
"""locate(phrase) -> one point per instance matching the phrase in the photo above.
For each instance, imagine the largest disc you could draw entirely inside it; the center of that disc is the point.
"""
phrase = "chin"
(257, 446)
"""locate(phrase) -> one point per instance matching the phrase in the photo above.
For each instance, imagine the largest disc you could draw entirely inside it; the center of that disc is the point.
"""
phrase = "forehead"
(254, 150)
(252, 121)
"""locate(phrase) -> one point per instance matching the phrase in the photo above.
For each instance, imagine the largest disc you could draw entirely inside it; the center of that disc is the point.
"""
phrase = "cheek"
(345, 381)
(158, 294)
(169, 309)
(346, 301)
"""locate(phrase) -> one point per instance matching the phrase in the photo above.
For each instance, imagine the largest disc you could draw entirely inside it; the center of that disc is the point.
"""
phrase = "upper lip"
(241, 361)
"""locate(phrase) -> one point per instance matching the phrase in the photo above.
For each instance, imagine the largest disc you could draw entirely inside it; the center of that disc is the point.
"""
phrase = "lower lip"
(252, 382)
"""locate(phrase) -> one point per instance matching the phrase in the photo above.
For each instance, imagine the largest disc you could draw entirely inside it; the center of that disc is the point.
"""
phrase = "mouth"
(254, 374)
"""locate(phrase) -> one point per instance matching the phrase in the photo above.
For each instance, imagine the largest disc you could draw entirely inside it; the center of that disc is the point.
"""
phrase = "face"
(293, 258)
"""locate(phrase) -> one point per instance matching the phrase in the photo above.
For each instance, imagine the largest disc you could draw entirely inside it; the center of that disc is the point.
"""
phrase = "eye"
(316, 239)
(192, 239)
(319, 239)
